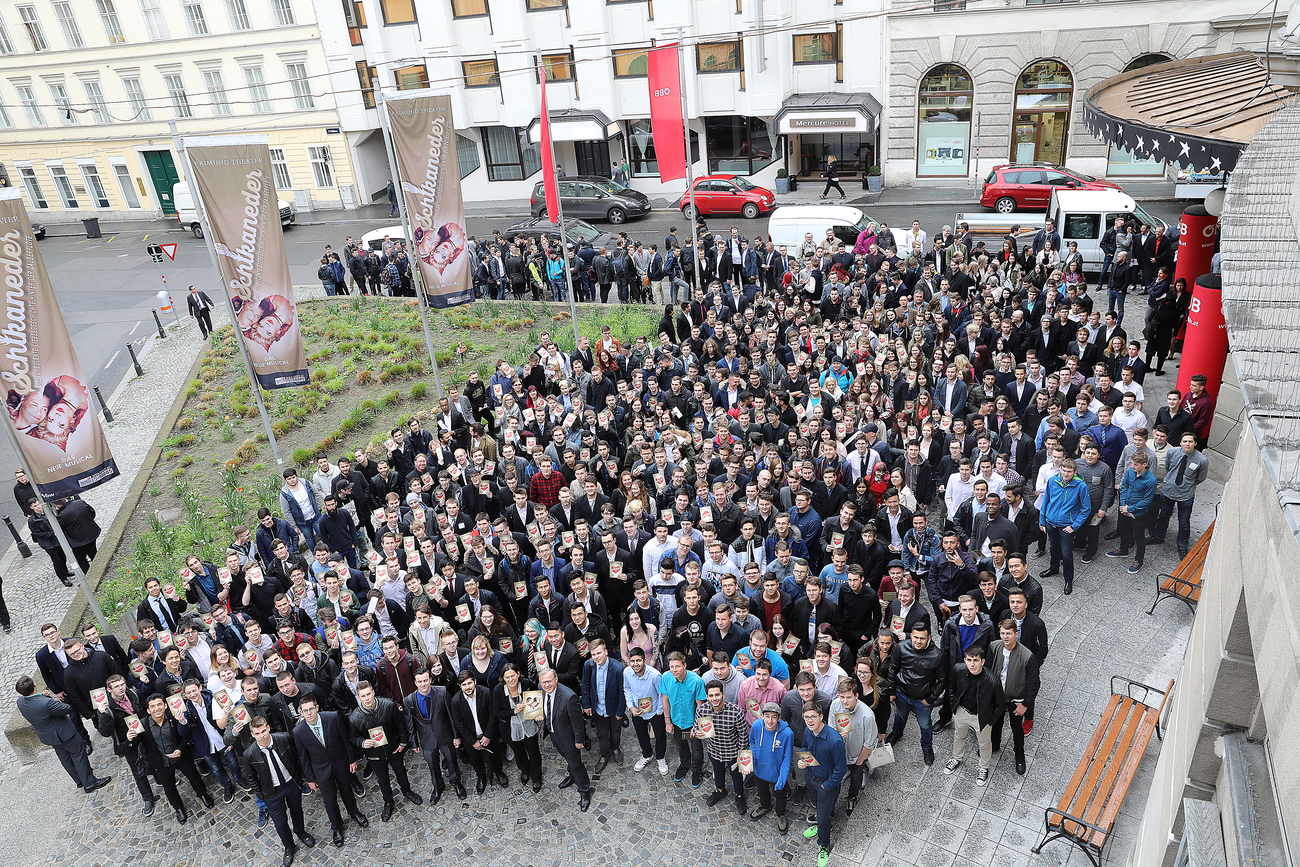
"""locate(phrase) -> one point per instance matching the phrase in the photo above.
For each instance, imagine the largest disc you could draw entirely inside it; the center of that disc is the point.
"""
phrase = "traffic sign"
(155, 252)
(170, 250)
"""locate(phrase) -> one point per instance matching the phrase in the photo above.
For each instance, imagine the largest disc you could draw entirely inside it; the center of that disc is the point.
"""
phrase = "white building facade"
(770, 84)
(87, 88)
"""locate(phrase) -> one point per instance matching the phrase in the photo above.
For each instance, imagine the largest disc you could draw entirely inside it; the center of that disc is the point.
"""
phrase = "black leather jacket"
(920, 674)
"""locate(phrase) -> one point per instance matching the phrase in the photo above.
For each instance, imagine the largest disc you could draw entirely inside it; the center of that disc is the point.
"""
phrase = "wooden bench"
(1087, 810)
(1185, 582)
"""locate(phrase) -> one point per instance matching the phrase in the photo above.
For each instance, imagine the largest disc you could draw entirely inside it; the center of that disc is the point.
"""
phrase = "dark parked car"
(593, 198)
(577, 230)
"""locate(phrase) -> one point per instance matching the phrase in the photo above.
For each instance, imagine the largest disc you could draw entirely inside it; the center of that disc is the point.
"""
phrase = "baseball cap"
(771, 707)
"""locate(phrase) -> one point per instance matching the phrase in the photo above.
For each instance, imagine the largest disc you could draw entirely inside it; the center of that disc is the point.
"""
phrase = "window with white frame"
(195, 18)
(95, 186)
(297, 73)
(59, 92)
(63, 184)
(35, 117)
(176, 90)
(5, 120)
(283, 11)
(280, 170)
(238, 14)
(95, 96)
(67, 21)
(112, 26)
(257, 89)
(33, 26)
(154, 20)
(135, 96)
(124, 184)
(6, 44)
(216, 86)
(321, 170)
(33, 187)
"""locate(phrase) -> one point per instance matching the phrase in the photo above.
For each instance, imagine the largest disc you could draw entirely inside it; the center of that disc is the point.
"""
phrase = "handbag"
(881, 756)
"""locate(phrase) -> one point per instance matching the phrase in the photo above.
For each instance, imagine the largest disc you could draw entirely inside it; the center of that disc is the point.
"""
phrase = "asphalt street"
(107, 286)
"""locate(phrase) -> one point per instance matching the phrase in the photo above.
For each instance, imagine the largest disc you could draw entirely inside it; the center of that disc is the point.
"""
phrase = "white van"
(188, 216)
(790, 223)
(1082, 216)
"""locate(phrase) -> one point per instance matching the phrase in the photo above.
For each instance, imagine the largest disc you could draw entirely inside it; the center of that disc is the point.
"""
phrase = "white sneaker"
(663, 767)
(640, 764)
(953, 764)
(982, 777)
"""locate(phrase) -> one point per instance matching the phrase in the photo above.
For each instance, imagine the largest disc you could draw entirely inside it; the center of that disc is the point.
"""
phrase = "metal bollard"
(139, 371)
(162, 334)
(108, 413)
(22, 546)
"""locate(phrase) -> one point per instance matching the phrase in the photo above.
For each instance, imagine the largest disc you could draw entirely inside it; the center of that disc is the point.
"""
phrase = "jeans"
(720, 778)
(825, 800)
(905, 706)
(643, 726)
(624, 291)
(678, 282)
(1184, 522)
(690, 750)
(1115, 301)
(1062, 545)
(308, 531)
(557, 289)
(224, 766)
(1132, 534)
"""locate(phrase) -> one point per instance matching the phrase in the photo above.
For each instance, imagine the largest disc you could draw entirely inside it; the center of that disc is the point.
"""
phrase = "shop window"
(738, 145)
(943, 122)
(1040, 125)
(642, 146)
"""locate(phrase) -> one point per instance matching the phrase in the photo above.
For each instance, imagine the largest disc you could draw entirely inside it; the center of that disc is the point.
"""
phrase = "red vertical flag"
(666, 125)
(548, 158)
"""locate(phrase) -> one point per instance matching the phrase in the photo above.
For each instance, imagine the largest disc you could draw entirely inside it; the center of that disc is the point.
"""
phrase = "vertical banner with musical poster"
(424, 140)
(234, 178)
(57, 428)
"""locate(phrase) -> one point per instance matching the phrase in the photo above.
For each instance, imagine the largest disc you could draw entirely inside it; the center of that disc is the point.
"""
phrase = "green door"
(163, 172)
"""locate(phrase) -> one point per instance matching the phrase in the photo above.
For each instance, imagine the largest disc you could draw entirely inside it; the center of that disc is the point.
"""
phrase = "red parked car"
(728, 194)
(1028, 186)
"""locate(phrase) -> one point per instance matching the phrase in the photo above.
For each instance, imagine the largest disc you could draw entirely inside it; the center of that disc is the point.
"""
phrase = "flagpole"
(410, 238)
(696, 240)
(253, 384)
(53, 518)
(549, 166)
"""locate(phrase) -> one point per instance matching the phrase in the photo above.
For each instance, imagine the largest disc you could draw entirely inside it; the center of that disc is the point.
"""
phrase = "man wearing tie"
(328, 763)
(563, 724)
(52, 720)
(200, 306)
(158, 608)
(432, 734)
(51, 660)
(271, 763)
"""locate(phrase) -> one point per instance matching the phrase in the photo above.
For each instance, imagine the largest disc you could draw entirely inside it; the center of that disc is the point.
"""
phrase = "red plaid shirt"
(546, 491)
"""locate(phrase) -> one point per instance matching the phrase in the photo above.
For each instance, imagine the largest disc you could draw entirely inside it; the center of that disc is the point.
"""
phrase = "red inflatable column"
(1205, 344)
(1197, 232)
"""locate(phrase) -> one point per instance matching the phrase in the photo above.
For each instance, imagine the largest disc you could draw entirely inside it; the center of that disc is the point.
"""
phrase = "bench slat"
(1106, 767)
(1115, 799)
(1094, 762)
(1067, 797)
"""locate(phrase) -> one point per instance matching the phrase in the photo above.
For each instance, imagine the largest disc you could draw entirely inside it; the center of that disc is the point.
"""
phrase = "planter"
(873, 183)
(782, 185)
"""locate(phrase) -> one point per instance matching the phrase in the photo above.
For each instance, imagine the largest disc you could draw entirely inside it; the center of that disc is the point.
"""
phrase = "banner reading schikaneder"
(45, 392)
(234, 179)
(425, 142)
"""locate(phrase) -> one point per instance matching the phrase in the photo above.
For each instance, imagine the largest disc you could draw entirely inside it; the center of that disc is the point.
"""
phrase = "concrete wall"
(1241, 665)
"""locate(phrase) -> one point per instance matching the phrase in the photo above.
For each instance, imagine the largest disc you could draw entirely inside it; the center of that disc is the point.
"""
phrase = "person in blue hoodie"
(1066, 505)
(772, 743)
(826, 766)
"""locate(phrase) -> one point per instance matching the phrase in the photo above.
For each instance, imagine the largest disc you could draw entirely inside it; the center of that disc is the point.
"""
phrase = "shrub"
(418, 391)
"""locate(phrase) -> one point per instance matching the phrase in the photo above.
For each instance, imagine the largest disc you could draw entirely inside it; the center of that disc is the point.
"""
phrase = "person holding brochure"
(771, 745)
(723, 728)
(432, 736)
(271, 763)
(646, 708)
(563, 723)
(517, 707)
(682, 693)
(824, 763)
(329, 762)
(379, 731)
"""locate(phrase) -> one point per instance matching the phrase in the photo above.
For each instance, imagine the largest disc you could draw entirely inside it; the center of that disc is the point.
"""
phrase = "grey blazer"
(51, 718)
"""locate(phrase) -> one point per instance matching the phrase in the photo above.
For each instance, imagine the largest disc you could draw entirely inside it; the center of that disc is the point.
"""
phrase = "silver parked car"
(589, 197)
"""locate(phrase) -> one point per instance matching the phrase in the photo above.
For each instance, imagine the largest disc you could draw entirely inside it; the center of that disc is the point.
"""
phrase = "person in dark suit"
(77, 518)
(477, 734)
(163, 741)
(432, 735)
(905, 612)
(563, 657)
(124, 702)
(271, 763)
(608, 711)
(373, 713)
(52, 661)
(52, 721)
(328, 762)
(200, 307)
(564, 725)
(166, 613)
(107, 643)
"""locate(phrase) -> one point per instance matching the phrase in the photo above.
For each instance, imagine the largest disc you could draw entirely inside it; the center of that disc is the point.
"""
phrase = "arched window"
(943, 122)
(1123, 163)
(1042, 118)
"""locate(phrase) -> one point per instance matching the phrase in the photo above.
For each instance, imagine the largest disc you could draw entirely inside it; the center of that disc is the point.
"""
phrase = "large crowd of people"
(800, 514)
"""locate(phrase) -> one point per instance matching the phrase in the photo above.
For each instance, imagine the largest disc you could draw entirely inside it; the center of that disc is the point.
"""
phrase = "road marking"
(123, 255)
(111, 238)
(110, 361)
(145, 238)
